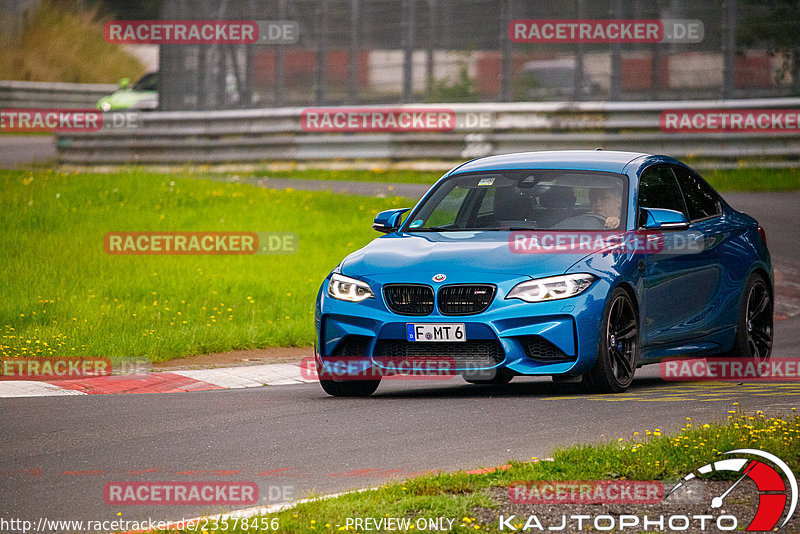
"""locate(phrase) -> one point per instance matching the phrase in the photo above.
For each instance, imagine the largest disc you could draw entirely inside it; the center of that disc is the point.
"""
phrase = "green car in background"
(143, 96)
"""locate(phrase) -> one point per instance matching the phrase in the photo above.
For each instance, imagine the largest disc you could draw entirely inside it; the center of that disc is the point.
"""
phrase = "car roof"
(588, 160)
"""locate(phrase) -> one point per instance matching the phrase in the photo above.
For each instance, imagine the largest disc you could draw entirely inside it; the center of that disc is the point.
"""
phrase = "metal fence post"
(728, 48)
(507, 66)
(578, 77)
(322, 48)
(616, 57)
(352, 58)
(431, 45)
(280, 63)
(408, 55)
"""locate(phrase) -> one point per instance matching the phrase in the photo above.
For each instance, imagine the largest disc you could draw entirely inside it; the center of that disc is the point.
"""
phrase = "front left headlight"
(345, 288)
(552, 288)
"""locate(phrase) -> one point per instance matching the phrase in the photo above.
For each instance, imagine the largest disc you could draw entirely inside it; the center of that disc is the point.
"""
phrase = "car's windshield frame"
(513, 174)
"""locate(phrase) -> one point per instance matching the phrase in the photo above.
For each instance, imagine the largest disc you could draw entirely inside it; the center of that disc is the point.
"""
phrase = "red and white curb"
(278, 374)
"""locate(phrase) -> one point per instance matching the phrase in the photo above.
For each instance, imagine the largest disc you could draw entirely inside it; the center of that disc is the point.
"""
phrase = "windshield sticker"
(416, 224)
(485, 181)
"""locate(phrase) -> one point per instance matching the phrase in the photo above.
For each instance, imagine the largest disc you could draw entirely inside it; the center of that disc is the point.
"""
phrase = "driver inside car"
(605, 206)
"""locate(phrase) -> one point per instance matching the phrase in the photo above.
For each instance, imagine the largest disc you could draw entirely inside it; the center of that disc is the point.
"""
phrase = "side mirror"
(388, 221)
(124, 83)
(662, 219)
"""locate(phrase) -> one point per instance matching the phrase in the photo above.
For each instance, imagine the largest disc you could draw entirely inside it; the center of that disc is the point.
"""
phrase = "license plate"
(435, 332)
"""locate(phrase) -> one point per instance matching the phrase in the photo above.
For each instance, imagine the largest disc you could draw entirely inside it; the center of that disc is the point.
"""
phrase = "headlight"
(553, 288)
(346, 288)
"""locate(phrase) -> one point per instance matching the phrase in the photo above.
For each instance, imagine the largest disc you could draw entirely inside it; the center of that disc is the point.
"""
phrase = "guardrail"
(15, 94)
(276, 134)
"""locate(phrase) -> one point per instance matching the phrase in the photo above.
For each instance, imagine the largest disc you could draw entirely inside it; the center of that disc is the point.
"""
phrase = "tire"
(501, 377)
(618, 347)
(754, 328)
(349, 388)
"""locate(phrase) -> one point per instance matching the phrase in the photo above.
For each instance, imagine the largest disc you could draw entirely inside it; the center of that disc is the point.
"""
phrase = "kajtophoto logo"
(774, 481)
(771, 484)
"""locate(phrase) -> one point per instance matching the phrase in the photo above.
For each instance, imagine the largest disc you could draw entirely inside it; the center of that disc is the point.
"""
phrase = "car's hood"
(127, 98)
(459, 255)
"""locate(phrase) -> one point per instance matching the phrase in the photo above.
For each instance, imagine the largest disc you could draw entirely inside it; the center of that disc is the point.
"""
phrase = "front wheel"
(501, 377)
(618, 348)
(349, 388)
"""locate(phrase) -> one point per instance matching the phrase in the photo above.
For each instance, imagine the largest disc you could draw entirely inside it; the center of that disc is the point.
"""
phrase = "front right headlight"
(345, 288)
(552, 288)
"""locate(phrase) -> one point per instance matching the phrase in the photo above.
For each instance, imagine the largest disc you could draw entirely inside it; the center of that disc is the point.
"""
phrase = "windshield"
(524, 200)
(148, 82)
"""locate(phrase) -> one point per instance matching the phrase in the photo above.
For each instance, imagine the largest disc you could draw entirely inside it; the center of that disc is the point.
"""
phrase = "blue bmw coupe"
(579, 265)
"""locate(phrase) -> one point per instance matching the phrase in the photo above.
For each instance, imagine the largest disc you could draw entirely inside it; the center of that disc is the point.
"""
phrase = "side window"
(701, 200)
(659, 189)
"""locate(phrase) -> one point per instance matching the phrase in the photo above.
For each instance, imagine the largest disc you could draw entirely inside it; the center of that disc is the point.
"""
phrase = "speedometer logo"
(771, 484)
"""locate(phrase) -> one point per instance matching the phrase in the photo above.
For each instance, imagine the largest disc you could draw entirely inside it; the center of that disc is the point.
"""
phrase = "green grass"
(648, 456)
(64, 44)
(752, 179)
(390, 176)
(64, 296)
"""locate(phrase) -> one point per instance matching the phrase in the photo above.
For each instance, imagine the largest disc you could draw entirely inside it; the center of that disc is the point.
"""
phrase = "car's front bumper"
(547, 338)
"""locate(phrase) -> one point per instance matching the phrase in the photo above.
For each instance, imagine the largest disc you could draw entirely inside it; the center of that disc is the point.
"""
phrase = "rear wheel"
(754, 324)
(618, 348)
